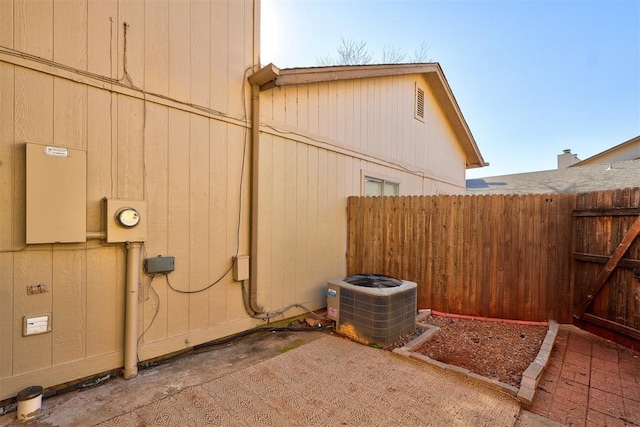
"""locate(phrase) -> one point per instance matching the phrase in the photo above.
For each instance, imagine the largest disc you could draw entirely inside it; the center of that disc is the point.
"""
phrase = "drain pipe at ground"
(131, 310)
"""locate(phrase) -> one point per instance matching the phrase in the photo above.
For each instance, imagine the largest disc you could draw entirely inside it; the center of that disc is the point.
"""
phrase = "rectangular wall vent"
(419, 112)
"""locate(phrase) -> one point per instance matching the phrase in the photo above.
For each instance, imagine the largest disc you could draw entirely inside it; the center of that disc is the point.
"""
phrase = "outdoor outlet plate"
(38, 288)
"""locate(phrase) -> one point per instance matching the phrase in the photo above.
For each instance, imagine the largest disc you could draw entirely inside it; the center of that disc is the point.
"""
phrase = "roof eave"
(270, 76)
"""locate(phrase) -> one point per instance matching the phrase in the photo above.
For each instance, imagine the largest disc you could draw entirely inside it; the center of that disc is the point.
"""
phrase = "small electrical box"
(241, 268)
(160, 265)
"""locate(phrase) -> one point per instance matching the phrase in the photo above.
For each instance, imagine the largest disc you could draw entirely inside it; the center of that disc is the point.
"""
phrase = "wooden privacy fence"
(505, 256)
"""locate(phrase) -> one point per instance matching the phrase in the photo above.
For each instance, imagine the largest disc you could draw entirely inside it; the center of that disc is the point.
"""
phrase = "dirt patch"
(491, 349)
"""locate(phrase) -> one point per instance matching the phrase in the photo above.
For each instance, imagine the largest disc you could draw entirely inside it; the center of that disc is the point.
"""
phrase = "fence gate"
(606, 271)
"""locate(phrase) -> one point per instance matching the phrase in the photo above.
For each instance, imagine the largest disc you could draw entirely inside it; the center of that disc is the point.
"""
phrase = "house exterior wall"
(318, 142)
(169, 128)
(629, 150)
(367, 116)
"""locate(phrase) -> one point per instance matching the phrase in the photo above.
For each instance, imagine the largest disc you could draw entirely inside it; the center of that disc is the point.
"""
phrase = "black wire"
(241, 189)
(180, 291)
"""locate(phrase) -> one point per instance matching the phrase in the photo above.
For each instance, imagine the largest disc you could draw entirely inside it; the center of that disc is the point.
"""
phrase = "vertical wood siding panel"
(303, 107)
(323, 109)
(322, 227)
(220, 208)
(349, 119)
(8, 150)
(131, 13)
(279, 113)
(236, 145)
(290, 190)
(178, 225)
(7, 154)
(33, 106)
(343, 186)
(105, 300)
(33, 33)
(314, 108)
(265, 206)
(104, 281)
(314, 239)
(156, 36)
(7, 329)
(6, 23)
(200, 52)
(220, 45)
(69, 305)
(70, 33)
(382, 115)
(33, 352)
(180, 50)
(335, 218)
(130, 148)
(99, 148)
(301, 258)
(238, 41)
(279, 289)
(342, 118)
(199, 221)
(372, 137)
(69, 114)
(156, 156)
(291, 112)
(102, 37)
(266, 105)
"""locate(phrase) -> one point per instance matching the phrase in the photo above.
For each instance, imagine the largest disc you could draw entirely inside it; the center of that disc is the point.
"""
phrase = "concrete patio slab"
(324, 381)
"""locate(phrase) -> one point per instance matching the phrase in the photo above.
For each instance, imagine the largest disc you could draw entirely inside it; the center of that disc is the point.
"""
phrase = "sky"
(531, 77)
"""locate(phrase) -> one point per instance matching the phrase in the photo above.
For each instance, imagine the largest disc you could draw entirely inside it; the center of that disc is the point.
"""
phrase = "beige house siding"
(170, 129)
(163, 115)
(312, 157)
(373, 116)
(628, 150)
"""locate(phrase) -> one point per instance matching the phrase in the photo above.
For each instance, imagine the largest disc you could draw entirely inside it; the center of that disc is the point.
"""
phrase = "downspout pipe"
(255, 154)
(262, 79)
(134, 250)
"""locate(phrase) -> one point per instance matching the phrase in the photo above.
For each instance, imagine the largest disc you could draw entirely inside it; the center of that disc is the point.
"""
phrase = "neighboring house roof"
(270, 76)
(586, 178)
(628, 150)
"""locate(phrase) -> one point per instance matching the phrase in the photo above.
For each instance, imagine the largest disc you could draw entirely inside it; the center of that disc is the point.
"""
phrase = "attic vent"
(419, 113)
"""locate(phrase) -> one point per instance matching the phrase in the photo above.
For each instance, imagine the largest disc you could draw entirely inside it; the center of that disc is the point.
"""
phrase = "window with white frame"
(380, 187)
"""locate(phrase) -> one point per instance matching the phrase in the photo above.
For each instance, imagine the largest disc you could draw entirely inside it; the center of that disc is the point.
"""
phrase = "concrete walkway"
(590, 382)
(324, 380)
(312, 378)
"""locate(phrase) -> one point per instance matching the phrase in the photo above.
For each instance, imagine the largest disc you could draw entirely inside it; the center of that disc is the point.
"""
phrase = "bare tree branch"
(352, 52)
(421, 54)
(392, 55)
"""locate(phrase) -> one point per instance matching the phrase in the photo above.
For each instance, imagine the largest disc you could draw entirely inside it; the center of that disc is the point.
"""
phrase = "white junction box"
(34, 325)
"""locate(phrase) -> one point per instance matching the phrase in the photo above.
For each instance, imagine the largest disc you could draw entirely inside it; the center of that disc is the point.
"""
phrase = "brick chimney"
(567, 159)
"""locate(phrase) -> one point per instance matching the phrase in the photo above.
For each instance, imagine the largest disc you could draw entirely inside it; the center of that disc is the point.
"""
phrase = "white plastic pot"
(29, 403)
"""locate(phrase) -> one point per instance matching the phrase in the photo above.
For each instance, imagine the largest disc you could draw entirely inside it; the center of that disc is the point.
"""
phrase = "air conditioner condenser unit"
(372, 308)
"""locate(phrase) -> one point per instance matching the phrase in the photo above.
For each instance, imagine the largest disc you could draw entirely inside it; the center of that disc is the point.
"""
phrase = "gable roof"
(629, 149)
(586, 178)
(270, 76)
